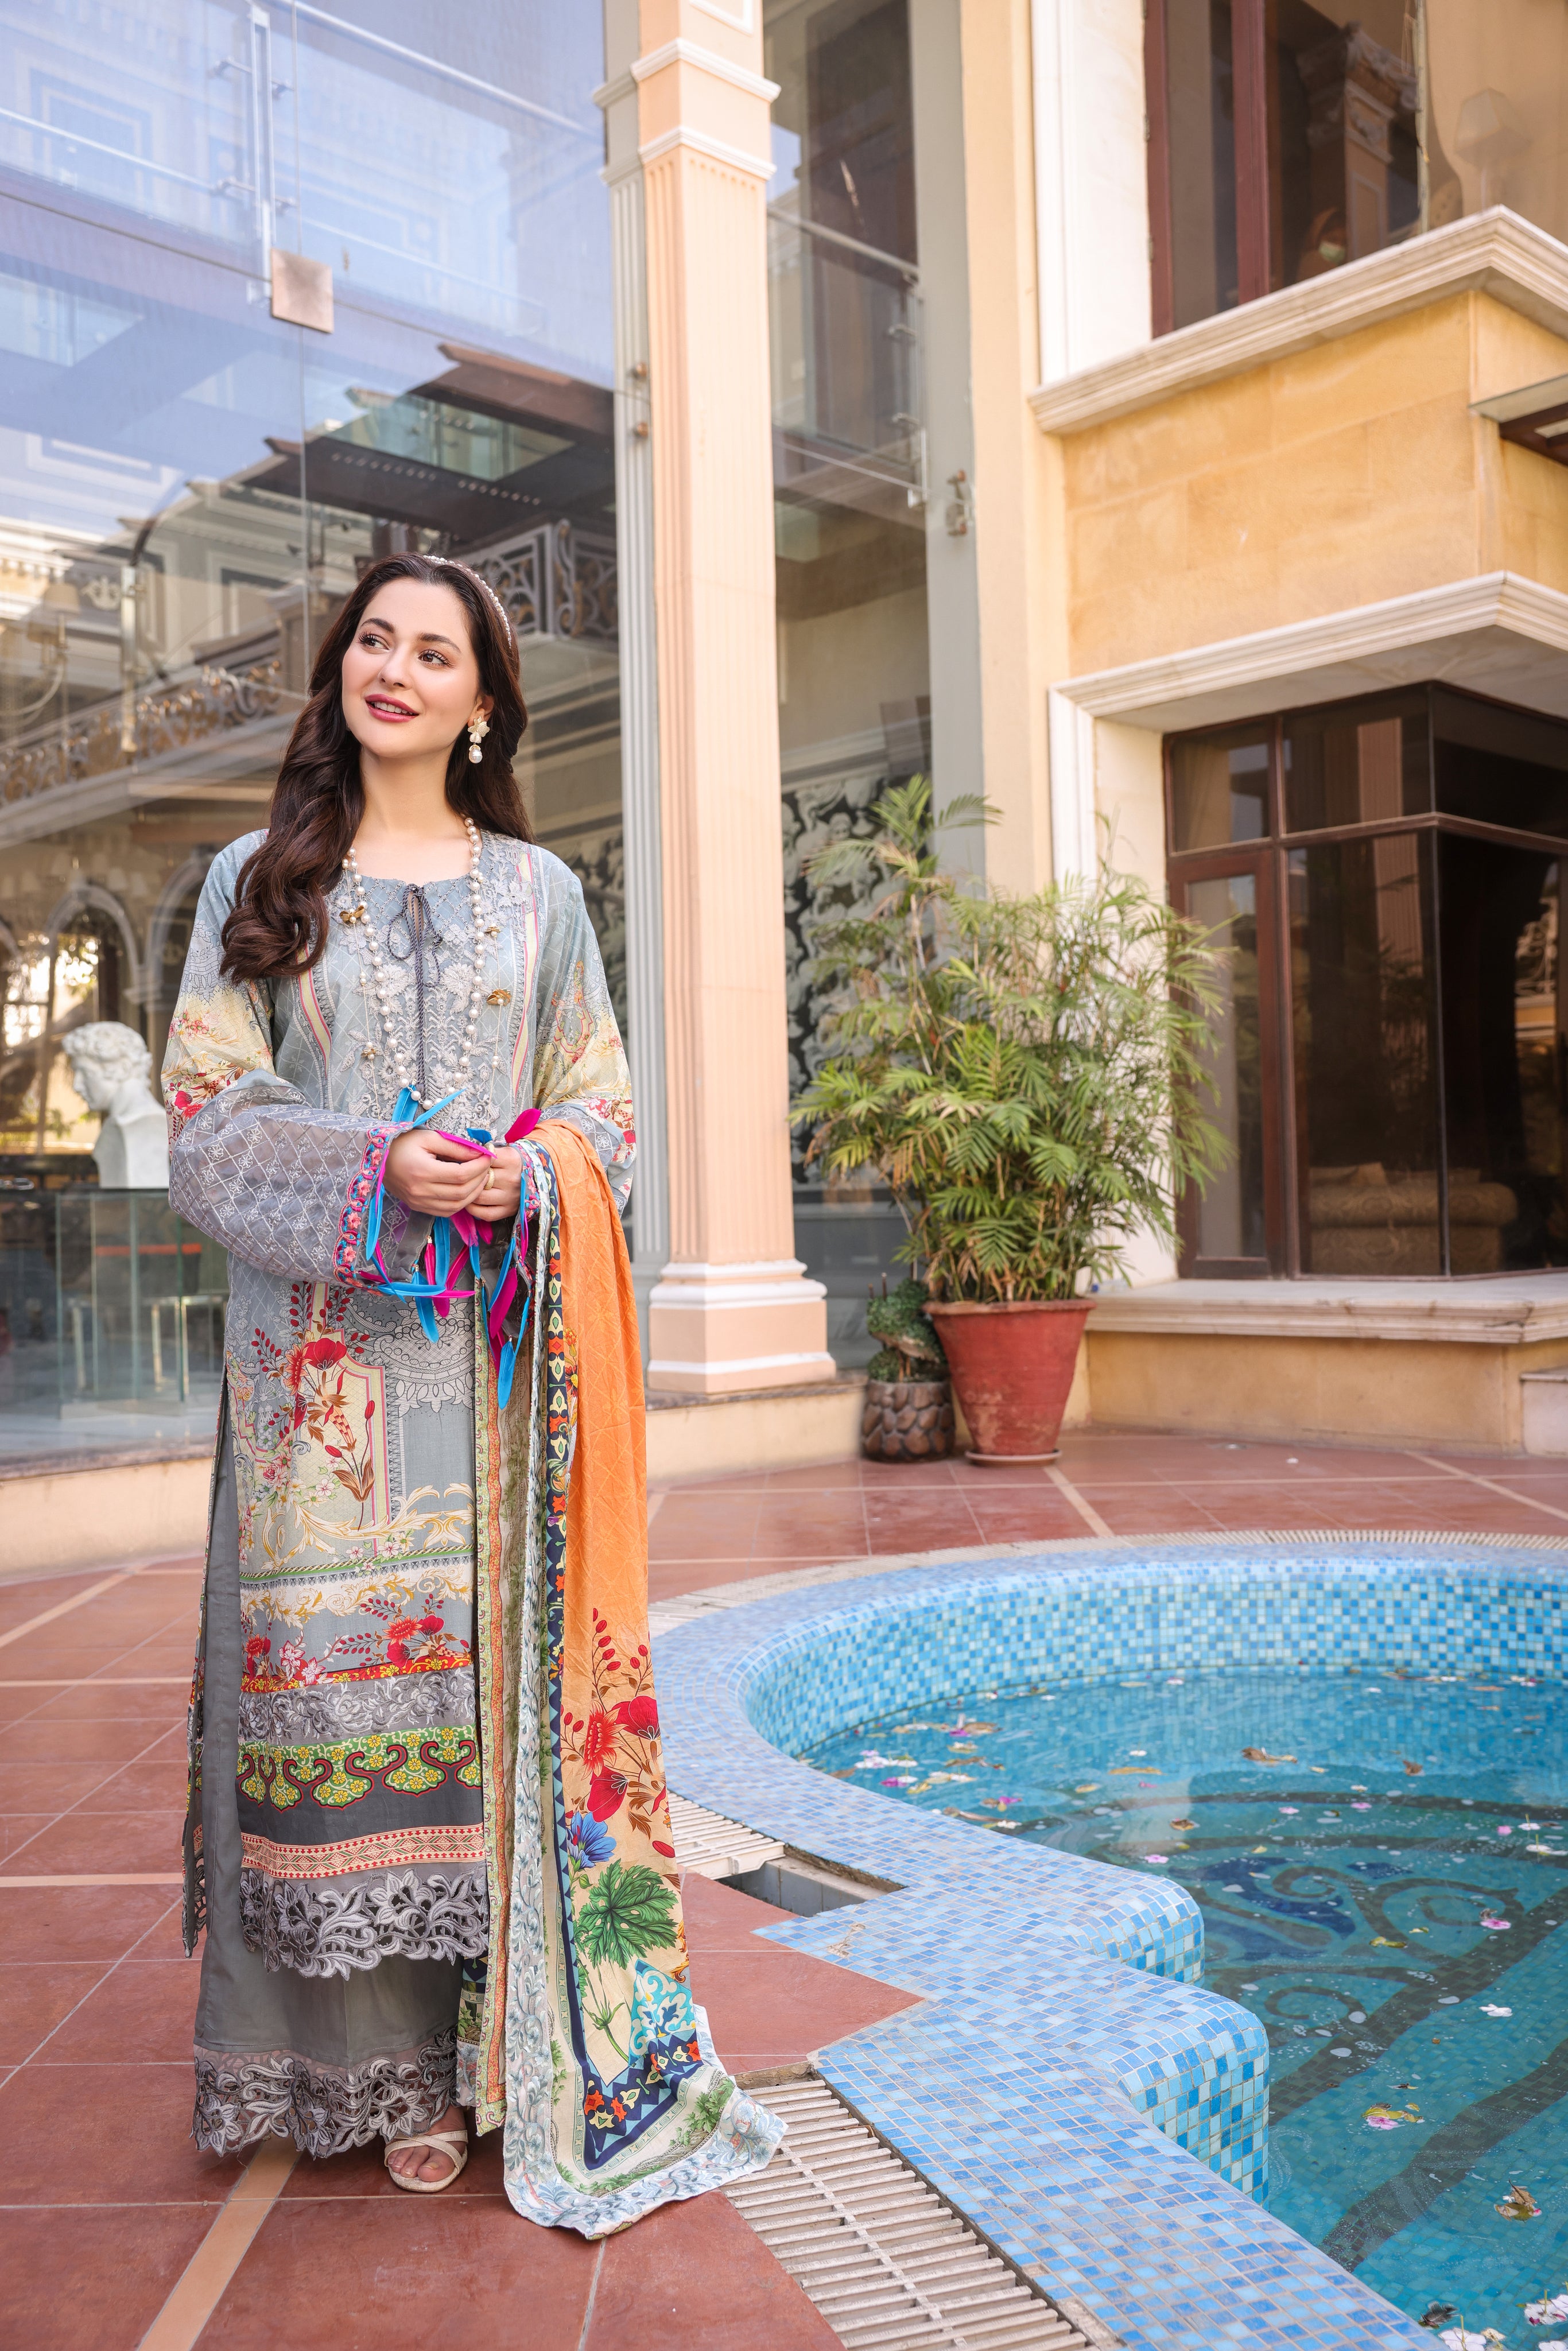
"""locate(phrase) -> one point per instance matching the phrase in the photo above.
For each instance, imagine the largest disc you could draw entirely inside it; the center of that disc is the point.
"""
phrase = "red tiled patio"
(115, 2233)
(1106, 1483)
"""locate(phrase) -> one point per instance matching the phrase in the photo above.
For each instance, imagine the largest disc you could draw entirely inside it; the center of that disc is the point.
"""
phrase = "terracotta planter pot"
(908, 1420)
(1012, 1371)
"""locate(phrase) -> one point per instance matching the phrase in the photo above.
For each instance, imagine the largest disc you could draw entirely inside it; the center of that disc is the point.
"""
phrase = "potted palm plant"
(1026, 1073)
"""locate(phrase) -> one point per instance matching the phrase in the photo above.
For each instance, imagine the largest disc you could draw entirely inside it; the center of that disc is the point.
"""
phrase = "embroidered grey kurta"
(345, 1804)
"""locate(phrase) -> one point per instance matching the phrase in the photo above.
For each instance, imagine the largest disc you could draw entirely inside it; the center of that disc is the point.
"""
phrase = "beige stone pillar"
(732, 1311)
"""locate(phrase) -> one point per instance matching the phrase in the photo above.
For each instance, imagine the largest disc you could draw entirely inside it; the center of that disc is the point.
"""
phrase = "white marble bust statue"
(111, 1070)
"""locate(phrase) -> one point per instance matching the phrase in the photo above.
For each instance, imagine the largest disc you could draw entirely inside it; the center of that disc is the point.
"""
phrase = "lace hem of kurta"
(326, 1930)
(324, 2109)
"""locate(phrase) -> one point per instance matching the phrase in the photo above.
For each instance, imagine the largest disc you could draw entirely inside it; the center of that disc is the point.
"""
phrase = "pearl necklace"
(357, 915)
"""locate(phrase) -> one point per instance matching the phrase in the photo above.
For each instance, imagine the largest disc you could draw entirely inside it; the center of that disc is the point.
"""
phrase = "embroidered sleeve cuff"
(358, 1228)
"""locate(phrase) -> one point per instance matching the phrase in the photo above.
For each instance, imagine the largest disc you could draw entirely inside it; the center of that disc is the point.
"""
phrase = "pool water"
(1382, 1863)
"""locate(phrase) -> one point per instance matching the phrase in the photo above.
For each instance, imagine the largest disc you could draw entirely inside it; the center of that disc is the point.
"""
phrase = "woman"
(428, 1835)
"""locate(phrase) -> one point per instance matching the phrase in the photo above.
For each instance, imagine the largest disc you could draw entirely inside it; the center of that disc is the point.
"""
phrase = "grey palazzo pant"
(330, 2061)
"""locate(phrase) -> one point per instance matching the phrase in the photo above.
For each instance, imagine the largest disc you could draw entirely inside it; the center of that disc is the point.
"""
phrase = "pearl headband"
(479, 582)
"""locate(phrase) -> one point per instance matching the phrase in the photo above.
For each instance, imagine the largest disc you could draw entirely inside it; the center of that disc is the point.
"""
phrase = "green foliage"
(1025, 1072)
(628, 1914)
(911, 1349)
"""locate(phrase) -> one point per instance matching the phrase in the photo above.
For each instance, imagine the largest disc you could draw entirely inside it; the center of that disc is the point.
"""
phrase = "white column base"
(716, 1329)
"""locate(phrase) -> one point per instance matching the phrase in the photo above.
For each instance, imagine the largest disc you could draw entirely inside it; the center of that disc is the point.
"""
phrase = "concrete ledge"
(77, 1518)
(1368, 1361)
(1511, 1310)
(767, 1429)
(1494, 251)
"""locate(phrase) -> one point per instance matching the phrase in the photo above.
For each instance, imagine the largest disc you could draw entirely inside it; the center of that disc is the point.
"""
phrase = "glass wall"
(848, 485)
(189, 485)
(1288, 138)
(1390, 1060)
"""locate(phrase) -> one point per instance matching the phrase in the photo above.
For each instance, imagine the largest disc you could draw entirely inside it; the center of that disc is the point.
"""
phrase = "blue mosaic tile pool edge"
(1061, 2011)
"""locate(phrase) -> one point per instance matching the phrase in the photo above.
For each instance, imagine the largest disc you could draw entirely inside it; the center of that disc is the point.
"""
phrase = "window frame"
(1268, 857)
(1254, 228)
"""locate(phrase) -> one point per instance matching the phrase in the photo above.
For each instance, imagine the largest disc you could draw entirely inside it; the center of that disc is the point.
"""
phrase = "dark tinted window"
(1229, 1217)
(1219, 789)
(1499, 766)
(1502, 1021)
(1356, 763)
(1362, 985)
(1200, 120)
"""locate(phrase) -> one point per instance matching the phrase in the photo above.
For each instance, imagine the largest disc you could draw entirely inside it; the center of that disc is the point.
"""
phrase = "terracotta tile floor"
(728, 1528)
(103, 2201)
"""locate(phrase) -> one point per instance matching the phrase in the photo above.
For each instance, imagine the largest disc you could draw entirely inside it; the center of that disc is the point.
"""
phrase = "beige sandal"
(451, 2144)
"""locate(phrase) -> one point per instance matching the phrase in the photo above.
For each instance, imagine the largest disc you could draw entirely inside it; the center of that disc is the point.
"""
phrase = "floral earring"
(478, 730)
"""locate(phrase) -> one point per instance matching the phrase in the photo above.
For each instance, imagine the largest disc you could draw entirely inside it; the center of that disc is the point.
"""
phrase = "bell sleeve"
(281, 1184)
(580, 1076)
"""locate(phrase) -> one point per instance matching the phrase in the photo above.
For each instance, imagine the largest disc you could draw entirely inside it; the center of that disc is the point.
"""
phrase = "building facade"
(1147, 417)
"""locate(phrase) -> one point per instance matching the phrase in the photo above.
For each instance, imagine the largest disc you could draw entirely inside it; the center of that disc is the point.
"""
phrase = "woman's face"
(411, 682)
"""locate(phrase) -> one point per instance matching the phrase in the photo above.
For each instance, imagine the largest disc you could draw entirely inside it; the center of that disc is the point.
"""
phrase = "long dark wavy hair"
(278, 924)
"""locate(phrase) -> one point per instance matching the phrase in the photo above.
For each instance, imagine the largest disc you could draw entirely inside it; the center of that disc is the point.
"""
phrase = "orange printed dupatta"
(580, 2036)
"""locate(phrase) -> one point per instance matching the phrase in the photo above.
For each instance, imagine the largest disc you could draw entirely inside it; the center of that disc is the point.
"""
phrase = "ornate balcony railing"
(164, 719)
(555, 580)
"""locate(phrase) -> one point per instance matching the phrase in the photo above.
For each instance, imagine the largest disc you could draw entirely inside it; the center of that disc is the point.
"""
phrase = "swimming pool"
(1379, 1857)
(1070, 2077)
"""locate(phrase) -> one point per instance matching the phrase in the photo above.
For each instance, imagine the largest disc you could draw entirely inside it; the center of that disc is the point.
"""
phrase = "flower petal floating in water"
(1490, 2008)
(1386, 1943)
(1505, 1831)
(1498, 1926)
(1519, 2204)
(1540, 2313)
(1262, 1755)
(1289, 1811)
(1183, 1824)
(1390, 2117)
(1156, 1856)
(1414, 1769)
(1361, 1807)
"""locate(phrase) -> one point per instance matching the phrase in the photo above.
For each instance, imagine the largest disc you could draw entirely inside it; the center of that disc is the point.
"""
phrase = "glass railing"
(111, 1308)
(845, 330)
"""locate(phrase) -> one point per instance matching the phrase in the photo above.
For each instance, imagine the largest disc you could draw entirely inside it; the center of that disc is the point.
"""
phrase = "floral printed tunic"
(353, 1432)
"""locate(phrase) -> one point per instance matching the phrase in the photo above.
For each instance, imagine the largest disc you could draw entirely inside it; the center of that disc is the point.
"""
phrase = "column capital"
(692, 53)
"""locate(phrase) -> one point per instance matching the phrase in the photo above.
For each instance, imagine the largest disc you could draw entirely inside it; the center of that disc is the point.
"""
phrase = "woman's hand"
(438, 1175)
(502, 1189)
(435, 1174)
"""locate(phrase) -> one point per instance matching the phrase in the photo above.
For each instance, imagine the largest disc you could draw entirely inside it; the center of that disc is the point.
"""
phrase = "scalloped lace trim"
(323, 2108)
(325, 1930)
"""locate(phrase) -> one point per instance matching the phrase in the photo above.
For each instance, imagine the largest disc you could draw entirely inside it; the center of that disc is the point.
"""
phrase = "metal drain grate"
(890, 2266)
(711, 1846)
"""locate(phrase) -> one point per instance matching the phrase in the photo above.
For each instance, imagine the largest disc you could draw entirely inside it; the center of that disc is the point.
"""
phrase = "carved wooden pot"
(908, 1420)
